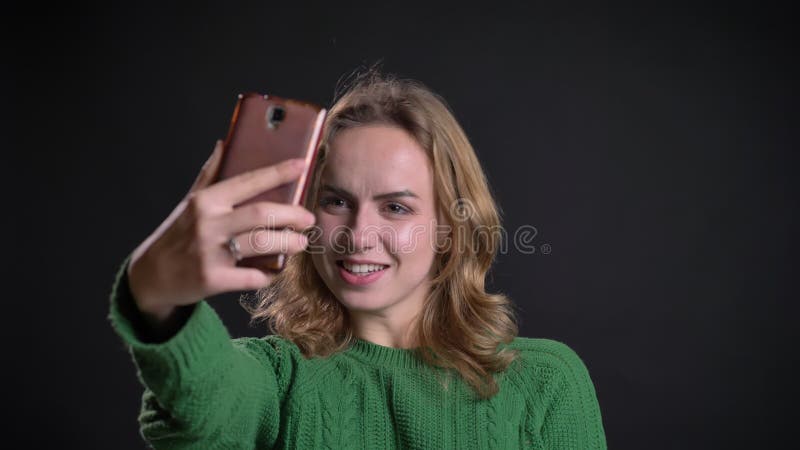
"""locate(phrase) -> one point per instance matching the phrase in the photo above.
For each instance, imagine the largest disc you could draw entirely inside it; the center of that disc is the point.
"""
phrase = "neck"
(394, 325)
(385, 329)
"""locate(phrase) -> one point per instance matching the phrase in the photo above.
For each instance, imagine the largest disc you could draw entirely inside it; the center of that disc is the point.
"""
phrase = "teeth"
(362, 268)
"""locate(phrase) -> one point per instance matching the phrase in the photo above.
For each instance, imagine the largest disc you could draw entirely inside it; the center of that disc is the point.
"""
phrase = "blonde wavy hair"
(461, 326)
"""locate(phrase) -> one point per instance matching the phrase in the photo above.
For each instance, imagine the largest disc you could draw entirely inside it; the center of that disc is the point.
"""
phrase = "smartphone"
(266, 130)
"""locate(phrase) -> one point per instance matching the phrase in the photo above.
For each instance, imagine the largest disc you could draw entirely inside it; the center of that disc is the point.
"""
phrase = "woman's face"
(376, 213)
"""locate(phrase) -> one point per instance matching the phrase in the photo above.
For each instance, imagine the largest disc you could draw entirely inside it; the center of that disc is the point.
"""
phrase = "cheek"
(325, 226)
(413, 242)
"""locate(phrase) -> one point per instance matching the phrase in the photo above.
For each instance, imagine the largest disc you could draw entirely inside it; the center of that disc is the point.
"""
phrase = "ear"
(209, 170)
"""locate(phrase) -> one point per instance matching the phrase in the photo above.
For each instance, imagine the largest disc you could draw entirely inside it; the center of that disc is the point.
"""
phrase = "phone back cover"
(252, 143)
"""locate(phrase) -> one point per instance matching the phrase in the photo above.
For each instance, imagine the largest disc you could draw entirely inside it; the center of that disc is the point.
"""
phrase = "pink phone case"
(264, 131)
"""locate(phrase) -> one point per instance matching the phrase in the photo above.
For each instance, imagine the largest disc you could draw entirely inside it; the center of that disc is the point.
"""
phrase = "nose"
(362, 232)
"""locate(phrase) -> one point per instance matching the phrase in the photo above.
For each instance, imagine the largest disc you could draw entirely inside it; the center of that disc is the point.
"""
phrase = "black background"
(652, 148)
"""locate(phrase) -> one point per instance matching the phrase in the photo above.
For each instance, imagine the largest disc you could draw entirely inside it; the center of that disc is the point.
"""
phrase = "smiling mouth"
(361, 269)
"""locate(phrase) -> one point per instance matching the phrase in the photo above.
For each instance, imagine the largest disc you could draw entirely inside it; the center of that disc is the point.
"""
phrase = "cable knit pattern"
(340, 410)
(204, 390)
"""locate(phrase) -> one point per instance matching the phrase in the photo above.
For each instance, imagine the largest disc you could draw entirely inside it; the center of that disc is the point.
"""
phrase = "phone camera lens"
(276, 115)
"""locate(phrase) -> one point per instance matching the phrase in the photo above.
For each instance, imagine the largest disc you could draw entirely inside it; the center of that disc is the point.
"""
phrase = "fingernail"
(299, 163)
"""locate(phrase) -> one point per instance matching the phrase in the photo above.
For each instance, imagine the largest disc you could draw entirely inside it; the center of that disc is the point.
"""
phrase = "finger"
(241, 187)
(264, 241)
(209, 169)
(231, 279)
(263, 214)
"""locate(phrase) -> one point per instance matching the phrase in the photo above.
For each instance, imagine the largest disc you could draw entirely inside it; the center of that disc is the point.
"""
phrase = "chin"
(361, 304)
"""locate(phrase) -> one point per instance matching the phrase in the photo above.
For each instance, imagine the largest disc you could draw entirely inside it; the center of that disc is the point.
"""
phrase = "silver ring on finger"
(233, 247)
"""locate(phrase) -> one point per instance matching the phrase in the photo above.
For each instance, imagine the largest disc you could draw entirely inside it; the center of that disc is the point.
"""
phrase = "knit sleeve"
(203, 389)
(567, 414)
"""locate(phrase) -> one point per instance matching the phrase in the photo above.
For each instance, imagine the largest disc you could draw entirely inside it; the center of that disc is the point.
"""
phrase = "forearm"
(200, 386)
(220, 408)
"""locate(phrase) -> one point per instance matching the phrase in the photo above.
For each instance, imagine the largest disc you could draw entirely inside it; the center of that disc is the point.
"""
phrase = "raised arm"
(204, 390)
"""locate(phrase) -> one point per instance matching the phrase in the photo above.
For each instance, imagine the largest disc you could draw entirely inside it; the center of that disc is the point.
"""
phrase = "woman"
(383, 334)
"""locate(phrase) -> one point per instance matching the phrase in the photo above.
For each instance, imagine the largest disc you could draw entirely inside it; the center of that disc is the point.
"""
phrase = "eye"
(397, 208)
(332, 202)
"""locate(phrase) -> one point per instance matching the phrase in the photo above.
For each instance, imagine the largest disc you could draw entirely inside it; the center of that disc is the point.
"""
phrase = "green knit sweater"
(204, 390)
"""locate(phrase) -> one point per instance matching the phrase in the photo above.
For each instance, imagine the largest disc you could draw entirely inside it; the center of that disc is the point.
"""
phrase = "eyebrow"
(396, 194)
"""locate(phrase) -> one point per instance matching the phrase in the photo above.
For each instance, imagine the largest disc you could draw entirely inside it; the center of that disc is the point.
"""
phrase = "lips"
(361, 267)
(359, 273)
(360, 261)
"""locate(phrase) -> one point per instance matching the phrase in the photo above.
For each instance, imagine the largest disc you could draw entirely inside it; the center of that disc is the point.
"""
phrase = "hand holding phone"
(185, 258)
(245, 181)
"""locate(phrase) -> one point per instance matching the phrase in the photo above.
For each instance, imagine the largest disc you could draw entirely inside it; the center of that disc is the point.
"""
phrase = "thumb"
(209, 170)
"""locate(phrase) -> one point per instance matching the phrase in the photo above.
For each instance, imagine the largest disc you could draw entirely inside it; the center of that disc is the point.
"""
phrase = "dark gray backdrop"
(652, 149)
